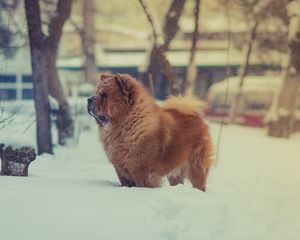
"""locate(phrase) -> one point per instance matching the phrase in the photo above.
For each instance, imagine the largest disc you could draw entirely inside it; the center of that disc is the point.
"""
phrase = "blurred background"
(239, 57)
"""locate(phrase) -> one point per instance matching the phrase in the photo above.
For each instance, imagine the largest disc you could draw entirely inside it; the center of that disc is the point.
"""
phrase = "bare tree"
(257, 14)
(51, 43)
(47, 48)
(281, 122)
(86, 32)
(243, 71)
(88, 41)
(191, 73)
(39, 78)
(158, 64)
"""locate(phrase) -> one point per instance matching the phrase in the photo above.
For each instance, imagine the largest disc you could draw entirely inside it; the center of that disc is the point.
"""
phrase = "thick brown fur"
(146, 142)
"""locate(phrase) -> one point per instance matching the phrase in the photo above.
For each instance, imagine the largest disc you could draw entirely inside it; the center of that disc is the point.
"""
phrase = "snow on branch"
(293, 11)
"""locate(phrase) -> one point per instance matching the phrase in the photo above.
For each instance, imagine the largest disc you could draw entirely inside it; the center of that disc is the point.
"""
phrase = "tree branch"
(34, 23)
(172, 17)
(13, 4)
(78, 29)
(154, 25)
(192, 69)
(56, 24)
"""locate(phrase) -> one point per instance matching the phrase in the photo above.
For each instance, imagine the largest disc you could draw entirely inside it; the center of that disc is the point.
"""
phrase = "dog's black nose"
(89, 100)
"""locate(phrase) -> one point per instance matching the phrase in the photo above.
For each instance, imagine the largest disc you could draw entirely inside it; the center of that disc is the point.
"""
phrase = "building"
(212, 66)
(15, 76)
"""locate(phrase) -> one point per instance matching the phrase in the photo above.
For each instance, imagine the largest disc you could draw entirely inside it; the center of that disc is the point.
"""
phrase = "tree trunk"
(64, 120)
(158, 64)
(150, 72)
(191, 73)
(15, 161)
(39, 73)
(243, 71)
(283, 123)
(88, 42)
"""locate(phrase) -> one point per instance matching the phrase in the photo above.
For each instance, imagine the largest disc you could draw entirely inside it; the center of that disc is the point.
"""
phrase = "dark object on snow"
(15, 161)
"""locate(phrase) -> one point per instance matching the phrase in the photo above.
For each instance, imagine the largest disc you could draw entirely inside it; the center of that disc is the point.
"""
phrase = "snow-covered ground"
(253, 193)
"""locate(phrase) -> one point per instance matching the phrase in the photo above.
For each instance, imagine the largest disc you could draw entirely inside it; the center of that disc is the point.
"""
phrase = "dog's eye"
(103, 94)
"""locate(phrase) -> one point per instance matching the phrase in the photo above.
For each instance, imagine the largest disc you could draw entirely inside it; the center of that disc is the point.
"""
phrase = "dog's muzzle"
(100, 119)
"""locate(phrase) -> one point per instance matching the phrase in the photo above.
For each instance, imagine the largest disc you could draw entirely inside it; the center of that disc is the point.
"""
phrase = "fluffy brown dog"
(146, 142)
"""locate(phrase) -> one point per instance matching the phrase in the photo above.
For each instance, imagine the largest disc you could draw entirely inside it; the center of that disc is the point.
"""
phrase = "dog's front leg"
(125, 178)
(145, 178)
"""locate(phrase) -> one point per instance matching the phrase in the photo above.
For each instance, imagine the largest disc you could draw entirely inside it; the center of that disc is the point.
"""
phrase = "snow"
(17, 128)
(15, 139)
(54, 104)
(283, 112)
(69, 28)
(87, 87)
(176, 58)
(251, 83)
(20, 63)
(253, 193)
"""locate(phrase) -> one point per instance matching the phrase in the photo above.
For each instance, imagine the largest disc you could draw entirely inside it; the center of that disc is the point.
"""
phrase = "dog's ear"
(125, 86)
(104, 76)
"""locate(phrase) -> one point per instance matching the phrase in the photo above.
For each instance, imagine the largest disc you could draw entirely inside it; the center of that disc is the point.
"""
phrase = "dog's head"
(114, 97)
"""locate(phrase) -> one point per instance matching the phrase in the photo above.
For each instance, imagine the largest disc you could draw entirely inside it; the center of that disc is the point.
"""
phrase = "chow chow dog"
(145, 141)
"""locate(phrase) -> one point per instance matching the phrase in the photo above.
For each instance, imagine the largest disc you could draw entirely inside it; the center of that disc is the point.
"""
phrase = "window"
(7, 79)
(8, 94)
(26, 79)
(27, 94)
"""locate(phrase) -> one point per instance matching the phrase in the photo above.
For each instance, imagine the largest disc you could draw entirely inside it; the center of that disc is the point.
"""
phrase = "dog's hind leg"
(177, 176)
(199, 164)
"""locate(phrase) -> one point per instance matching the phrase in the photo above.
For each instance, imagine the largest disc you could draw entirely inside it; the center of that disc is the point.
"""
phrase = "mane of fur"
(186, 104)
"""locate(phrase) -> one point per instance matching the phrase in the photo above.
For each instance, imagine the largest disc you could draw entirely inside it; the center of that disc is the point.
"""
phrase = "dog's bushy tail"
(186, 104)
